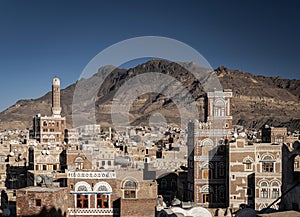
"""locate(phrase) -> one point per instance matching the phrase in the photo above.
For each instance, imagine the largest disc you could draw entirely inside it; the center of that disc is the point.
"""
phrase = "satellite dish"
(12, 154)
(235, 135)
(47, 152)
(44, 152)
(39, 179)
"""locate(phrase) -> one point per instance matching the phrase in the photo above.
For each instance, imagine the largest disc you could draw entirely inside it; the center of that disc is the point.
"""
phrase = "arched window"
(268, 164)
(79, 163)
(49, 159)
(130, 187)
(103, 190)
(279, 139)
(248, 164)
(264, 189)
(207, 170)
(275, 189)
(206, 193)
(82, 198)
(207, 142)
(40, 159)
(219, 109)
(45, 124)
(82, 187)
(52, 138)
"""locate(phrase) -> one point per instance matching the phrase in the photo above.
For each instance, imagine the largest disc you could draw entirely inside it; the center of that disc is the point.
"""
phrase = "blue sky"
(43, 39)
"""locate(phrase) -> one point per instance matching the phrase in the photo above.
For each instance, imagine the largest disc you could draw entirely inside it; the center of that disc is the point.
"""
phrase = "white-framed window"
(264, 190)
(206, 142)
(268, 164)
(279, 139)
(248, 164)
(79, 163)
(275, 187)
(102, 198)
(219, 110)
(82, 199)
(207, 170)
(130, 188)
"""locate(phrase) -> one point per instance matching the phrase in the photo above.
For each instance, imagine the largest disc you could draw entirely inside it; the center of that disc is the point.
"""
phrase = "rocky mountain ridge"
(257, 100)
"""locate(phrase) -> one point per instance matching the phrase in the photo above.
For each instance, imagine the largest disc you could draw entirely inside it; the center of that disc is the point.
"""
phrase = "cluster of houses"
(166, 171)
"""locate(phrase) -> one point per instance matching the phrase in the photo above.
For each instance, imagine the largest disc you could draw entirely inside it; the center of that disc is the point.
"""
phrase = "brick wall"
(32, 201)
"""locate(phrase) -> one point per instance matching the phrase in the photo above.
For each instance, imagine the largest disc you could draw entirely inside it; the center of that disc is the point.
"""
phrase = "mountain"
(257, 100)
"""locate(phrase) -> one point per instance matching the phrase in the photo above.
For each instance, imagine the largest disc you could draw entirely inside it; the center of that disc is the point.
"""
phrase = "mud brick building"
(50, 130)
(208, 152)
(32, 201)
(110, 193)
(255, 174)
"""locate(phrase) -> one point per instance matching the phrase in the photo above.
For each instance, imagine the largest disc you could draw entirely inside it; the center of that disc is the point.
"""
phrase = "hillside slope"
(257, 100)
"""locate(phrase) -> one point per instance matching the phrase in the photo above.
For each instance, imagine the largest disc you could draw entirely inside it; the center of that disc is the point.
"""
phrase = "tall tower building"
(56, 109)
(208, 149)
(50, 130)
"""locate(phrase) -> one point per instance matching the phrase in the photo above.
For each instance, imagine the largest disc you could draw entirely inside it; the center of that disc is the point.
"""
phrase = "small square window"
(38, 202)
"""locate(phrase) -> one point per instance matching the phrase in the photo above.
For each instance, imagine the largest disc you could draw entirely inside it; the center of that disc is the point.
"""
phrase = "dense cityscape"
(149, 108)
(211, 168)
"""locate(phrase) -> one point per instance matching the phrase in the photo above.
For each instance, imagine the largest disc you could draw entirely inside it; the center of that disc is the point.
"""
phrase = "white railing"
(93, 211)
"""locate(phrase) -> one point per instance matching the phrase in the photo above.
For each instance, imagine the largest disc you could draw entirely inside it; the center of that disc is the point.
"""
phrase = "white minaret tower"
(56, 109)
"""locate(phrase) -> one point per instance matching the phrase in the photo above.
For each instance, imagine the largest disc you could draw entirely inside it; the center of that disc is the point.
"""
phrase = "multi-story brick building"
(111, 193)
(50, 130)
(228, 172)
(70, 173)
(208, 152)
(258, 171)
(42, 201)
(255, 174)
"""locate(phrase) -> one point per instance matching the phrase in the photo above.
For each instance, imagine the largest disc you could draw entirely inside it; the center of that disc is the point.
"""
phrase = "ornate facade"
(208, 152)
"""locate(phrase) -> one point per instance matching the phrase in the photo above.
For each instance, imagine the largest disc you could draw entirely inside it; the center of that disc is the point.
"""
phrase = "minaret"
(56, 109)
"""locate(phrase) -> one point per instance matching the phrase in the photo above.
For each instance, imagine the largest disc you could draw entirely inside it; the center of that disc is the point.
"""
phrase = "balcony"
(93, 211)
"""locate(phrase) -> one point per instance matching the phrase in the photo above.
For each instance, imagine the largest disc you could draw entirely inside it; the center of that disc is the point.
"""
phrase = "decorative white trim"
(219, 94)
(89, 189)
(93, 211)
(108, 187)
(92, 175)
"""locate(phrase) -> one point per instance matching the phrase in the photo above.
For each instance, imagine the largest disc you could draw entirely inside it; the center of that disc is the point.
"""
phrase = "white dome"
(56, 81)
(195, 212)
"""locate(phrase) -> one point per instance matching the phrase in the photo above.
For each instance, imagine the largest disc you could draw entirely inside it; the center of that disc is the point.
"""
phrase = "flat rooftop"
(40, 189)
